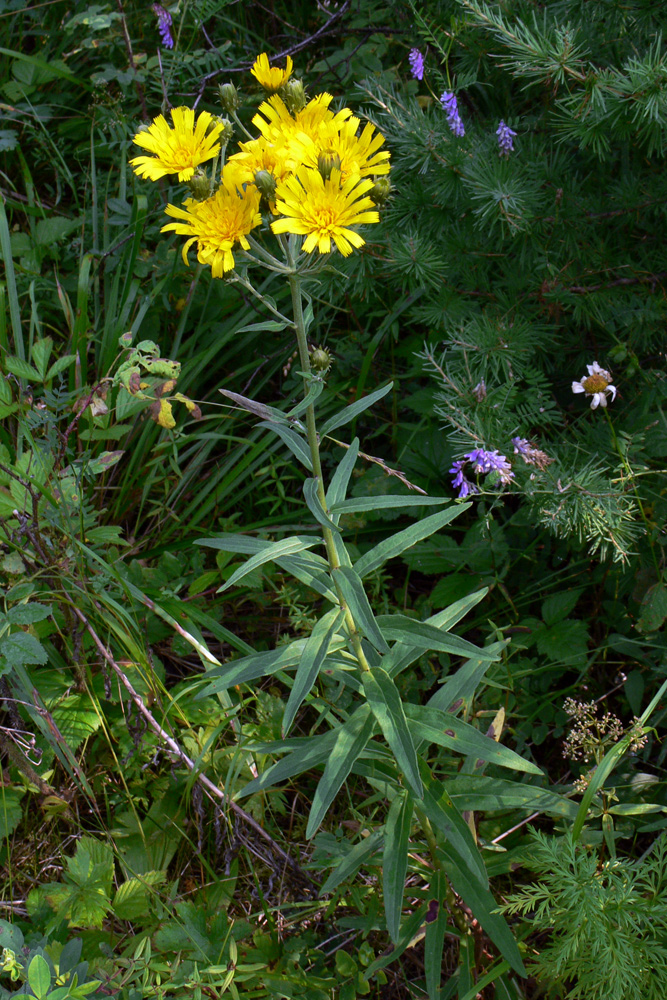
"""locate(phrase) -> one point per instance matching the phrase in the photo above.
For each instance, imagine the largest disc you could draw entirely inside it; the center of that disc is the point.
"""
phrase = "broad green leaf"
(284, 547)
(395, 860)
(20, 368)
(60, 365)
(354, 595)
(347, 414)
(445, 817)
(315, 651)
(39, 977)
(40, 354)
(20, 648)
(10, 809)
(481, 793)
(426, 636)
(446, 730)
(76, 719)
(341, 477)
(293, 440)
(402, 540)
(352, 861)
(26, 614)
(132, 898)
(387, 707)
(558, 606)
(315, 505)
(482, 904)
(355, 504)
(434, 939)
(350, 741)
(48, 231)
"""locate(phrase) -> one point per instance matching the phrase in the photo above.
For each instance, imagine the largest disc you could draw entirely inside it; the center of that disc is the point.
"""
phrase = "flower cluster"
(530, 454)
(164, 25)
(596, 385)
(314, 170)
(454, 119)
(481, 462)
(505, 139)
(416, 61)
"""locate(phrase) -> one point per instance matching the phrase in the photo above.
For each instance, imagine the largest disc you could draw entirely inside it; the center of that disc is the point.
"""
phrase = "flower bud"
(266, 184)
(320, 360)
(327, 162)
(227, 133)
(294, 96)
(229, 97)
(200, 185)
(381, 191)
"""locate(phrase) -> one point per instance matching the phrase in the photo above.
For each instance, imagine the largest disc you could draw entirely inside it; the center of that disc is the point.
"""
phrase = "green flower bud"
(327, 162)
(266, 184)
(381, 191)
(294, 95)
(200, 185)
(229, 97)
(320, 360)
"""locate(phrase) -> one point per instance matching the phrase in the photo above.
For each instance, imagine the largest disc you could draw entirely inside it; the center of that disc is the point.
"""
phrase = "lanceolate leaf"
(309, 753)
(315, 505)
(293, 440)
(350, 412)
(426, 636)
(434, 940)
(355, 597)
(387, 707)
(462, 685)
(350, 741)
(355, 504)
(285, 547)
(314, 653)
(395, 860)
(446, 730)
(341, 477)
(352, 861)
(446, 818)
(391, 547)
(249, 668)
(403, 654)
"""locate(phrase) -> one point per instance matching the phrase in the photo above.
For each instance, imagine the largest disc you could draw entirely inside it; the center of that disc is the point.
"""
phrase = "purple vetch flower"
(522, 446)
(505, 139)
(416, 60)
(450, 105)
(164, 25)
(530, 454)
(460, 481)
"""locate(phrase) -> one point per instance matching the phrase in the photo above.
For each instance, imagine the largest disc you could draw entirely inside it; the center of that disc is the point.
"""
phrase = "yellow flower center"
(182, 155)
(595, 383)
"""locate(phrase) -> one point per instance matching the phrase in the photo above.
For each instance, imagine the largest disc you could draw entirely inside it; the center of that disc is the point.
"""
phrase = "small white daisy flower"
(596, 384)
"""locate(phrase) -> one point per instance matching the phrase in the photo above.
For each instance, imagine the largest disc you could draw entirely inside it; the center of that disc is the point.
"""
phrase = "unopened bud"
(327, 162)
(200, 186)
(229, 97)
(381, 191)
(266, 184)
(294, 95)
(320, 360)
(227, 133)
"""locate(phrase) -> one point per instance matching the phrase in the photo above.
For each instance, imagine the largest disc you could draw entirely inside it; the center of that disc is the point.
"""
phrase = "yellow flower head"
(268, 77)
(280, 127)
(258, 154)
(358, 156)
(178, 150)
(217, 225)
(322, 210)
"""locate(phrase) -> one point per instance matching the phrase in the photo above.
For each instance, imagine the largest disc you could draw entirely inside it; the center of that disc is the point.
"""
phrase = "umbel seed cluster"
(310, 171)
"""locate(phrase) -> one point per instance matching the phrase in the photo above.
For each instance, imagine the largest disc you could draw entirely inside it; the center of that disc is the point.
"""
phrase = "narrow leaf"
(260, 410)
(355, 597)
(355, 504)
(402, 540)
(395, 860)
(426, 636)
(293, 440)
(387, 707)
(347, 414)
(353, 861)
(315, 651)
(351, 739)
(434, 940)
(446, 818)
(285, 547)
(315, 505)
(341, 477)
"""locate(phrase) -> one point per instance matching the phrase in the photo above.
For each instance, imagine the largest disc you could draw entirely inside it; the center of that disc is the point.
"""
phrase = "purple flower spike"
(454, 121)
(416, 61)
(460, 482)
(164, 25)
(505, 139)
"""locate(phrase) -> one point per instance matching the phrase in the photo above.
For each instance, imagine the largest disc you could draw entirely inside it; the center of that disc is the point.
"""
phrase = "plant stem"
(294, 279)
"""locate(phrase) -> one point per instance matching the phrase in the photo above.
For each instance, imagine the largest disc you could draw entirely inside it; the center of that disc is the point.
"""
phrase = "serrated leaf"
(48, 231)
(132, 898)
(60, 365)
(76, 719)
(10, 809)
(354, 595)
(20, 368)
(654, 609)
(315, 651)
(564, 642)
(391, 547)
(347, 414)
(558, 606)
(26, 614)
(387, 707)
(395, 860)
(351, 738)
(40, 354)
(21, 648)
(284, 547)
(446, 730)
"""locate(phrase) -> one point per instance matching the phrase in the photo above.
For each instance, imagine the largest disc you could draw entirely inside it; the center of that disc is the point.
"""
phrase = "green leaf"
(426, 636)
(21, 369)
(293, 440)
(459, 688)
(60, 365)
(402, 540)
(341, 477)
(434, 939)
(249, 668)
(133, 898)
(482, 904)
(354, 595)
(347, 414)
(395, 860)
(26, 614)
(309, 753)
(315, 505)
(387, 707)
(352, 861)
(315, 651)
(315, 388)
(20, 648)
(40, 354)
(558, 606)
(48, 231)
(351, 738)
(481, 793)
(261, 410)
(312, 570)
(10, 809)
(446, 730)
(285, 547)
(355, 504)
(565, 642)
(654, 609)
(39, 977)
(446, 818)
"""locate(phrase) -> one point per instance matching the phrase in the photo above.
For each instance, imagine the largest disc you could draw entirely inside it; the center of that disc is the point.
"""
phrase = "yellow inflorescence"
(313, 171)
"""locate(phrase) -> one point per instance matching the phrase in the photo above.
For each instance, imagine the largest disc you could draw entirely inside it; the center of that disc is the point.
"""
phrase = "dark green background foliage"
(121, 868)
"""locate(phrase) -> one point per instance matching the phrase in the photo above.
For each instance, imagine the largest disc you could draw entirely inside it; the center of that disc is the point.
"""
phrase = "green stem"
(294, 279)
